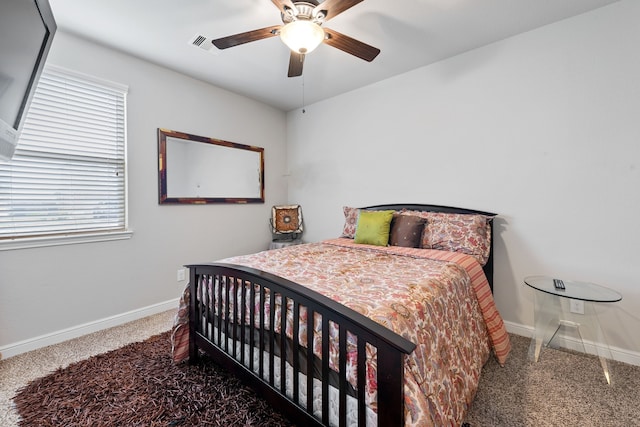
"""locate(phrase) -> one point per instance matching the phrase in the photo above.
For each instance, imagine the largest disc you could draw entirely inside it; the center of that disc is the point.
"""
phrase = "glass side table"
(550, 315)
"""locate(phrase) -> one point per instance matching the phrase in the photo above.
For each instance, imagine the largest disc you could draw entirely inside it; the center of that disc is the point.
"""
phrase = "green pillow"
(373, 227)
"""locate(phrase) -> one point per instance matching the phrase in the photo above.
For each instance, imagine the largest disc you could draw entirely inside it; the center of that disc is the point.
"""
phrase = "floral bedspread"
(439, 300)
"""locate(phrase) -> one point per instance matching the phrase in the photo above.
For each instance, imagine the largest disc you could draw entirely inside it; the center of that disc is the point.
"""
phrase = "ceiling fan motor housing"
(304, 12)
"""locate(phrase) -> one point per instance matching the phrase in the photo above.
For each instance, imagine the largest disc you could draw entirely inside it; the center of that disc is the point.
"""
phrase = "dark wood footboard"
(235, 328)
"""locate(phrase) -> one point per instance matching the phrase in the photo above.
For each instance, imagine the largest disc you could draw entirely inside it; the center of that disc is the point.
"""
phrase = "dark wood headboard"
(488, 267)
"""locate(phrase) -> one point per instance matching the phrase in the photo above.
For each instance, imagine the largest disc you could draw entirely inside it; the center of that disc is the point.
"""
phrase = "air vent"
(202, 42)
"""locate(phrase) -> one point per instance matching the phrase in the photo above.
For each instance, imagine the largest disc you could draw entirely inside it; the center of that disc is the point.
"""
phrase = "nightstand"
(550, 314)
(277, 244)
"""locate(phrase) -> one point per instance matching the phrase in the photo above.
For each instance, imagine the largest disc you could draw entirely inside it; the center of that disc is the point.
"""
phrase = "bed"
(389, 324)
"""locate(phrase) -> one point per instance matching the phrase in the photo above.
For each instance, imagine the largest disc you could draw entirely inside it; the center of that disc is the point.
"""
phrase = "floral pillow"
(466, 233)
(350, 221)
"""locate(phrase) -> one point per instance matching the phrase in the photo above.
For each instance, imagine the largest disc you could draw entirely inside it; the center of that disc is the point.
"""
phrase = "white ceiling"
(409, 33)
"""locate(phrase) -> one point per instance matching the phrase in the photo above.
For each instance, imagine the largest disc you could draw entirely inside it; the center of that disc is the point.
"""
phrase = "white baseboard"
(618, 354)
(84, 329)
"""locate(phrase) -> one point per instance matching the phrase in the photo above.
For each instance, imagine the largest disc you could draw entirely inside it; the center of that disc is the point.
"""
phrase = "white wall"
(46, 290)
(541, 128)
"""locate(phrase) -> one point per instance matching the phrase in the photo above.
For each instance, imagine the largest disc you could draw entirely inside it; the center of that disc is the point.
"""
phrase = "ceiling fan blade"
(332, 8)
(249, 36)
(350, 45)
(296, 60)
(284, 4)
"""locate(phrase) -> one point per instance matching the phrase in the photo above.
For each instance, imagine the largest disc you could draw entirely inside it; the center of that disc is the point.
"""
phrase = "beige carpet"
(562, 389)
(18, 371)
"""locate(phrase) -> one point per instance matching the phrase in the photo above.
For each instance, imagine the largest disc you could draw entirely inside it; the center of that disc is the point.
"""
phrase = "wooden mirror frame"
(226, 168)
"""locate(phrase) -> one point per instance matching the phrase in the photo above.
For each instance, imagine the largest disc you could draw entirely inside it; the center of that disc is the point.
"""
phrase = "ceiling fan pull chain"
(303, 110)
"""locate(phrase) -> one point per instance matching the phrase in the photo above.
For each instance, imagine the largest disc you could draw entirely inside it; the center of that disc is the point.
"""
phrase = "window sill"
(41, 242)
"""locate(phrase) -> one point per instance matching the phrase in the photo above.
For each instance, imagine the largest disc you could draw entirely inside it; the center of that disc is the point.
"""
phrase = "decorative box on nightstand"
(286, 226)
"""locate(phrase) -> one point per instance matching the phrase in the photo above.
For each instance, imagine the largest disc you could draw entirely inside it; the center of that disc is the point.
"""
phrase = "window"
(67, 178)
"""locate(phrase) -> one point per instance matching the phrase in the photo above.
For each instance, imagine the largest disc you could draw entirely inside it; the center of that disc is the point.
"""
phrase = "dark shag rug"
(139, 385)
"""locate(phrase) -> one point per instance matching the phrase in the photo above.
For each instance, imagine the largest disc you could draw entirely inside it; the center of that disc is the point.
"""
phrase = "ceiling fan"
(302, 31)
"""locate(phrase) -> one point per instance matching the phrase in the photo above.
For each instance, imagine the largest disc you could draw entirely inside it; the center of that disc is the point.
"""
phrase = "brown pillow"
(406, 231)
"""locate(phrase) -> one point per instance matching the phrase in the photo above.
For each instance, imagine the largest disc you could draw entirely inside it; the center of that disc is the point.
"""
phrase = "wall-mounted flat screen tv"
(26, 32)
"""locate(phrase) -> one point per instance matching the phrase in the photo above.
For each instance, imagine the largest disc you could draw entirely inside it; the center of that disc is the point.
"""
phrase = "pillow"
(373, 227)
(466, 233)
(406, 231)
(350, 221)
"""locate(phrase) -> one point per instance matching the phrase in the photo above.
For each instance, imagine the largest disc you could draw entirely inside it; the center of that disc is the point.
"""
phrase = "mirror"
(197, 169)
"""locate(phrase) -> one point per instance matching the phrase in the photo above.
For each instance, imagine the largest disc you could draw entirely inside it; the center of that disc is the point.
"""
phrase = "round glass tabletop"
(585, 291)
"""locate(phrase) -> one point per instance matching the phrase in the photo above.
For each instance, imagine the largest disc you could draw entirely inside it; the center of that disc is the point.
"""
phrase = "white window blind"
(68, 172)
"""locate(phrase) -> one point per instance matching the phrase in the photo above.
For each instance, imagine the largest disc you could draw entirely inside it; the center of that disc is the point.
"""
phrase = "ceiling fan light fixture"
(302, 36)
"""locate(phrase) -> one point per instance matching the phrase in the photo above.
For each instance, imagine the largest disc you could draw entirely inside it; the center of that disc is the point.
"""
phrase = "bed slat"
(325, 370)
(343, 377)
(361, 383)
(296, 349)
(283, 344)
(309, 350)
(272, 334)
